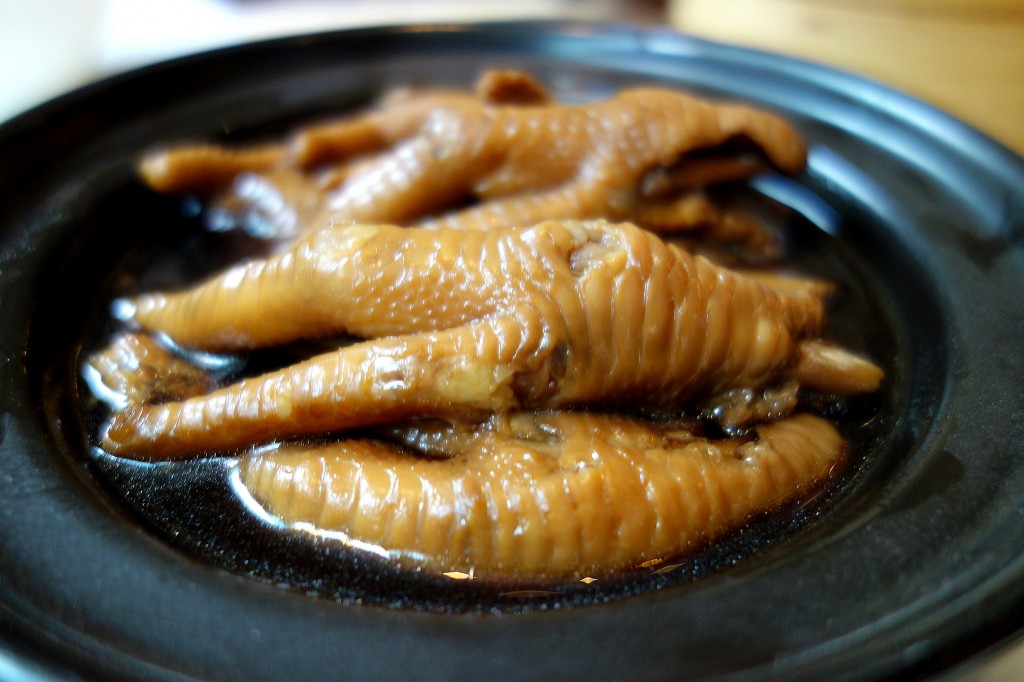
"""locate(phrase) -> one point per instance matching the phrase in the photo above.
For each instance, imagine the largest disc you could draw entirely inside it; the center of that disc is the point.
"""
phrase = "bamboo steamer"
(964, 56)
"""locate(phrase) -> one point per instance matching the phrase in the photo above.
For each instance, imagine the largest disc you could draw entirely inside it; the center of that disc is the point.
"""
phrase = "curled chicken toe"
(506, 156)
(561, 314)
(136, 368)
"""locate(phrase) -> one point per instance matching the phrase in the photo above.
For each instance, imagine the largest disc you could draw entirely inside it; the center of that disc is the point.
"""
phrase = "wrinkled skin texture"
(553, 494)
(137, 369)
(451, 433)
(543, 494)
(563, 314)
(509, 152)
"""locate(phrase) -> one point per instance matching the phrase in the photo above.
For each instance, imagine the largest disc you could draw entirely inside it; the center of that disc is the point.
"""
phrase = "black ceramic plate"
(913, 566)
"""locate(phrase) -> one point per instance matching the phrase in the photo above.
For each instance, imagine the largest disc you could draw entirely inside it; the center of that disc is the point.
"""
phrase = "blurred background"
(964, 56)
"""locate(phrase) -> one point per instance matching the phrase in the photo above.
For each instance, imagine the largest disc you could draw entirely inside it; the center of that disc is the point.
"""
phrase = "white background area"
(48, 47)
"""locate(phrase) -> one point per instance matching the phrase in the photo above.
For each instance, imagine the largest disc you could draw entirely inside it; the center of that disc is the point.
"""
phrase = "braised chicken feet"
(554, 494)
(562, 314)
(507, 156)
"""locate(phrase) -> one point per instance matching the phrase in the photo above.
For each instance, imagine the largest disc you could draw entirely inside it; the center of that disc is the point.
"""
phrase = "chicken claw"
(507, 156)
(553, 494)
(559, 315)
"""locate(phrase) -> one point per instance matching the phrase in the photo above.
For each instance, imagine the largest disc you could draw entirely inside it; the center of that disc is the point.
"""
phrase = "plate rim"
(1007, 161)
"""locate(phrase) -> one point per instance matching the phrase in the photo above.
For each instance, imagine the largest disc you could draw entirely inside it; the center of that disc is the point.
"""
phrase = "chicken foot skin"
(418, 158)
(544, 494)
(562, 314)
(202, 169)
(592, 493)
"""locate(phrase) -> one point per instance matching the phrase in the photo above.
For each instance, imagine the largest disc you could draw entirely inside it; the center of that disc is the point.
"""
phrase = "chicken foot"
(591, 492)
(559, 315)
(555, 494)
(418, 158)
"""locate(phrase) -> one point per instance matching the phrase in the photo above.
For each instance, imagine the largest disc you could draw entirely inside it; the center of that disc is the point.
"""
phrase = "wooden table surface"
(964, 56)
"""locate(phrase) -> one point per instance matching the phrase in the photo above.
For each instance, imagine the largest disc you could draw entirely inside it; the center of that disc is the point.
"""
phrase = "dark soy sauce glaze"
(192, 505)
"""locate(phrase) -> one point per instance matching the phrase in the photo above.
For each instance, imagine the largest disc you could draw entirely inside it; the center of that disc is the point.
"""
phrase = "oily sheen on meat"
(535, 378)
(495, 158)
(561, 315)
